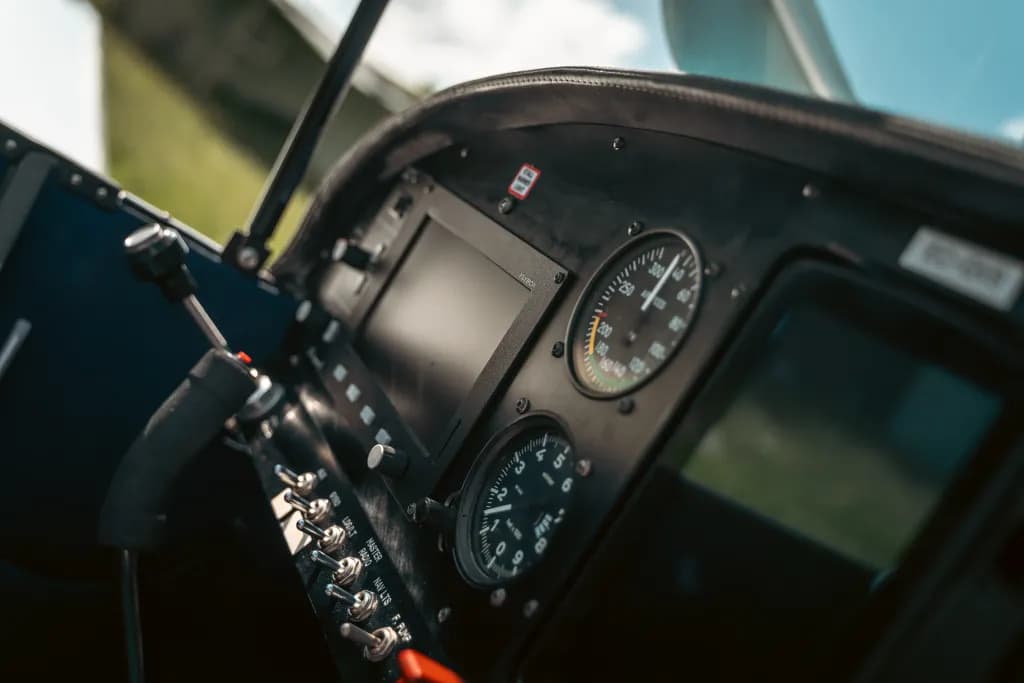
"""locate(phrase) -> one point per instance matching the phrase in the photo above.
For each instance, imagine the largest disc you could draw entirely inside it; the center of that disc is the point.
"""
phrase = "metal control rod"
(247, 250)
(157, 254)
(205, 322)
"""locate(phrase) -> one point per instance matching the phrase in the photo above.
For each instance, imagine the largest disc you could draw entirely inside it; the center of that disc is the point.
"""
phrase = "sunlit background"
(186, 103)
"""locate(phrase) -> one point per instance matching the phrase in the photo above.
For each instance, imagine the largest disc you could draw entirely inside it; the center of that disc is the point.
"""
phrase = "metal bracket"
(14, 341)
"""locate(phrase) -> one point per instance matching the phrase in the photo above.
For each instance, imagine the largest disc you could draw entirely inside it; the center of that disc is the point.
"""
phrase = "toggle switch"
(328, 540)
(361, 605)
(388, 461)
(344, 572)
(315, 510)
(376, 645)
(350, 253)
(302, 484)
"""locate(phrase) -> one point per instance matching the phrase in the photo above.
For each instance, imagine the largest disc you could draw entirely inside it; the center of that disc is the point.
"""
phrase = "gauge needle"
(498, 508)
(661, 283)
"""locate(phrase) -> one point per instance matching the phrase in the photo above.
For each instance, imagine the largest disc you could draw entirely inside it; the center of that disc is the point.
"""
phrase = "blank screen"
(842, 436)
(436, 326)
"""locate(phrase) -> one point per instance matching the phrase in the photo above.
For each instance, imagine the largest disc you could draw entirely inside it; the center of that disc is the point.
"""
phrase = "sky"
(955, 62)
(50, 76)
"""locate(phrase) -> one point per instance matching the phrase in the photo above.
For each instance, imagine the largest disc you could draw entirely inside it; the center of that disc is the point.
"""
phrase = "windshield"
(187, 103)
(949, 62)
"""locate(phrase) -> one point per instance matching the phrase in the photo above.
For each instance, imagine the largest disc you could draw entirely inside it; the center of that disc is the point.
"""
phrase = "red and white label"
(524, 181)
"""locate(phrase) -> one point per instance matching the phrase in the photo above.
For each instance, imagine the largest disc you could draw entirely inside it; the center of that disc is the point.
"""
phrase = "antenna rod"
(247, 250)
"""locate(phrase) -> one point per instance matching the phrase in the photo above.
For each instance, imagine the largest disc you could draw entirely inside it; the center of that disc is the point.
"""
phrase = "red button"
(244, 357)
(418, 668)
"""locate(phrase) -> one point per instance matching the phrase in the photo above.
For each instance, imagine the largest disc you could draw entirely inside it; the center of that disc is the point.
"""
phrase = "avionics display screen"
(437, 324)
(843, 437)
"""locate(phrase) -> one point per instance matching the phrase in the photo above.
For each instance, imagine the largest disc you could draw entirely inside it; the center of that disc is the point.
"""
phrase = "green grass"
(849, 495)
(163, 148)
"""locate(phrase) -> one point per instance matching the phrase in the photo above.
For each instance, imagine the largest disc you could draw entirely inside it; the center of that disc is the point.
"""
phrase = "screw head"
(584, 467)
(626, 405)
(464, 153)
(634, 228)
(10, 145)
(522, 405)
(558, 350)
(530, 608)
(76, 179)
(559, 278)
(102, 192)
(506, 205)
(810, 191)
(618, 143)
(248, 258)
(444, 614)
(737, 291)
(410, 511)
(498, 597)
(712, 270)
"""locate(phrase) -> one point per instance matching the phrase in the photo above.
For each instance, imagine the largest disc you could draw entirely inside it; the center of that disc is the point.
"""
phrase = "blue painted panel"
(103, 353)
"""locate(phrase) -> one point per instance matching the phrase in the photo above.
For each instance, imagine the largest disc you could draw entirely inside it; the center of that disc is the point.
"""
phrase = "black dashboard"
(632, 394)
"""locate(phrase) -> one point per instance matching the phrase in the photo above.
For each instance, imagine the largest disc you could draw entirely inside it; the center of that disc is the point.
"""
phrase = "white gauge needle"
(499, 508)
(661, 283)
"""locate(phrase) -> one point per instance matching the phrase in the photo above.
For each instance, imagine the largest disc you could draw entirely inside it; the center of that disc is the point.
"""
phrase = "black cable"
(130, 614)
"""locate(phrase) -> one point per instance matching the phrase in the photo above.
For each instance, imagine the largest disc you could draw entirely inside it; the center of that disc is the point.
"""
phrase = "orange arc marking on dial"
(593, 330)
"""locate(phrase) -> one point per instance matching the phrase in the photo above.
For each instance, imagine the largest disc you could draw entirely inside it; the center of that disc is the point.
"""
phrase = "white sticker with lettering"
(295, 539)
(524, 181)
(280, 507)
(992, 278)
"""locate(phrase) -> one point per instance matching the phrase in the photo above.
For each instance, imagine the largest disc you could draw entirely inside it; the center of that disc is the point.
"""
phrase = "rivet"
(737, 291)
(530, 608)
(248, 258)
(712, 270)
(558, 350)
(11, 145)
(559, 278)
(810, 191)
(498, 596)
(101, 193)
(626, 405)
(464, 152)
(618, 143)
(522, 405)
(76, 179)
(634, 228)
(444, 614)
(584, 467)
(506, 205)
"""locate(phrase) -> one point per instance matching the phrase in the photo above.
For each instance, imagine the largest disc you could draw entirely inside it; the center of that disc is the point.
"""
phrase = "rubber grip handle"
(133, 514)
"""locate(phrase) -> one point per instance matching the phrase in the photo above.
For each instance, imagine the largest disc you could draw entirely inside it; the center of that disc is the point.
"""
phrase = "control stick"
(215, 389)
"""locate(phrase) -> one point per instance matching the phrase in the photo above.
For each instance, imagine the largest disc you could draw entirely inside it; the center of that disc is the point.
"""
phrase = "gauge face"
(634, 314)
(515, 502)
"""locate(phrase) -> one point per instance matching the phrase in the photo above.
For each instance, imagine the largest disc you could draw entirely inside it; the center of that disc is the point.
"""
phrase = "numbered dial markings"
(520, 503)
(635, 313)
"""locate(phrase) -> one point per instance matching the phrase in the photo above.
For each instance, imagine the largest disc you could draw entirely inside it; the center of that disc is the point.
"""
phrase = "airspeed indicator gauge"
(634, 314)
